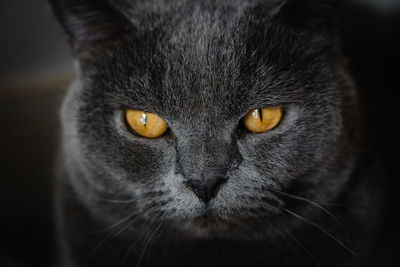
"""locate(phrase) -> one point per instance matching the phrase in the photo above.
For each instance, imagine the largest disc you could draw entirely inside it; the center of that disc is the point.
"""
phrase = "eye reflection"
(144, 118)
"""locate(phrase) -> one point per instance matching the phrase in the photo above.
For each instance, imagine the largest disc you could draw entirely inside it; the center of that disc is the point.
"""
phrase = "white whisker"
(321, 229)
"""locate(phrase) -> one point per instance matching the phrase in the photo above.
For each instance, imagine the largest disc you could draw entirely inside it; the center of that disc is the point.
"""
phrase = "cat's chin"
(207, 226)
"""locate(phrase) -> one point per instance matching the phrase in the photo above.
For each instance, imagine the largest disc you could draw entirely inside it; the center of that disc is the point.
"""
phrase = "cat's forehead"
(210, 58)
(201, 45)
(147, 14)
(138, 8)
(187, 50)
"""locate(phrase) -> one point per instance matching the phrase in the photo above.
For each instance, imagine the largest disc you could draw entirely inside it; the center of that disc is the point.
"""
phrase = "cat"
(208, 189)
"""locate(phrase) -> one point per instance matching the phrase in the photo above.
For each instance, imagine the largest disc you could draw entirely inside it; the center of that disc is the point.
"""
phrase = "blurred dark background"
(36, 67)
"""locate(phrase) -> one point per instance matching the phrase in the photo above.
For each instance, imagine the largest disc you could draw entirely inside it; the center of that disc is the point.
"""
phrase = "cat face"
(201, 67)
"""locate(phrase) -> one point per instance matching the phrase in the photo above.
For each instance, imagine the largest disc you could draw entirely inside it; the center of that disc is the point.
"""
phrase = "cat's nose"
(206, 190)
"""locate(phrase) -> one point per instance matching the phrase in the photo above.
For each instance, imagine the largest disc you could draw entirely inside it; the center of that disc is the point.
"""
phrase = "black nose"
(206, 189)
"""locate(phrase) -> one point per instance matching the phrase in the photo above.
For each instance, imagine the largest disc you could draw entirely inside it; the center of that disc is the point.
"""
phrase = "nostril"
(206, 190)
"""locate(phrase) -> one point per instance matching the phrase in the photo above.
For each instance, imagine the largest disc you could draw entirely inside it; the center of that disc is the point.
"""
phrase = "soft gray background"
(32, 44)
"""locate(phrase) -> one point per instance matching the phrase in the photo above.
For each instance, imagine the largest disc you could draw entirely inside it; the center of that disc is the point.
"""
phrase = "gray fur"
(201, 66)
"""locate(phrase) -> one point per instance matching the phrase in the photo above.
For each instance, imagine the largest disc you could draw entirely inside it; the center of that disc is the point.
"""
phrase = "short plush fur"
(302, 194)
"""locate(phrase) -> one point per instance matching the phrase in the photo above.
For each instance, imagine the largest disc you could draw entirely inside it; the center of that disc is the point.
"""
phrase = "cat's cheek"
(247, 190)
(264, 162)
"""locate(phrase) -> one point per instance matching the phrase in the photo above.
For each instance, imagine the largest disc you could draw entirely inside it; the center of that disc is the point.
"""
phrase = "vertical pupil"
(144, 118)
(260, 114)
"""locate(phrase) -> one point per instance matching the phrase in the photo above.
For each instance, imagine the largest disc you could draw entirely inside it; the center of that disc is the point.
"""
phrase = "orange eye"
(263, 119)
(145, 124)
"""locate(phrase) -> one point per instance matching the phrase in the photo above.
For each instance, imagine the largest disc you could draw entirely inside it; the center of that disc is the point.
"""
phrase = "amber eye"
(263, 119)
(145, 124)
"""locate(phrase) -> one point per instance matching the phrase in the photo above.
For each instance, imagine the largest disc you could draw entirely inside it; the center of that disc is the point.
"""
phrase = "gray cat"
(212, 133)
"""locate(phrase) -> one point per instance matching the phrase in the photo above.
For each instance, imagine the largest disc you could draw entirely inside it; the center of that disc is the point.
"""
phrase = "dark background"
(371, 42)
(36, 67)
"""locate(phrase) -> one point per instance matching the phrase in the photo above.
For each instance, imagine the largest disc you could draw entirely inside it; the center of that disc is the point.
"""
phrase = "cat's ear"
(88, 23)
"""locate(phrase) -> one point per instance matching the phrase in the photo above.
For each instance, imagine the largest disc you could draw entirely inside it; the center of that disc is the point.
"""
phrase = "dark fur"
(201, 66)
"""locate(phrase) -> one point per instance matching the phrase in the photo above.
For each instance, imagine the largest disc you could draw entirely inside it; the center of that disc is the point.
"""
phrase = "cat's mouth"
(210, 224)
(228, 219)
(208, 220)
